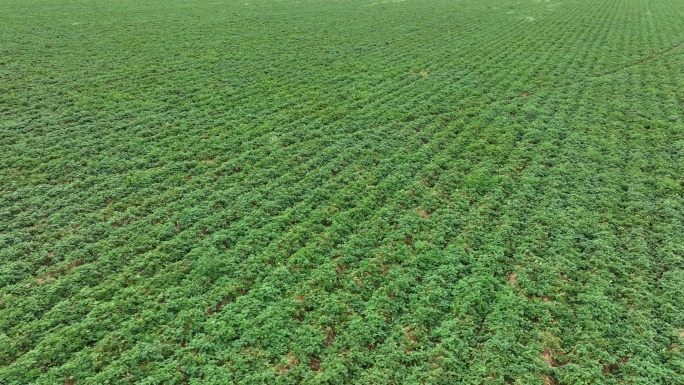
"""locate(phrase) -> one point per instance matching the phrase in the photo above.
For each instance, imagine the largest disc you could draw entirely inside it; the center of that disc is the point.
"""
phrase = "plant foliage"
(343, 191)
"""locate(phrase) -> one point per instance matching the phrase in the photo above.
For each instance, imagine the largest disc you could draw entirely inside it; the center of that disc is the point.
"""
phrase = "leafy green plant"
(333, 192)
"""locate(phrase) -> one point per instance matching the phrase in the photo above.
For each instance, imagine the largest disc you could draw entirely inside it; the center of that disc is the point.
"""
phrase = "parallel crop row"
(342, 192)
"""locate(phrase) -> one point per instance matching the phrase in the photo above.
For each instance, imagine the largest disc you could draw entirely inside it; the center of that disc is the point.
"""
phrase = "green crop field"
(342, 192)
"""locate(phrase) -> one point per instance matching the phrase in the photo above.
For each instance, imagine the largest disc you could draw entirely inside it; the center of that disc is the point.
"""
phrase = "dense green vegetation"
(342, 191)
